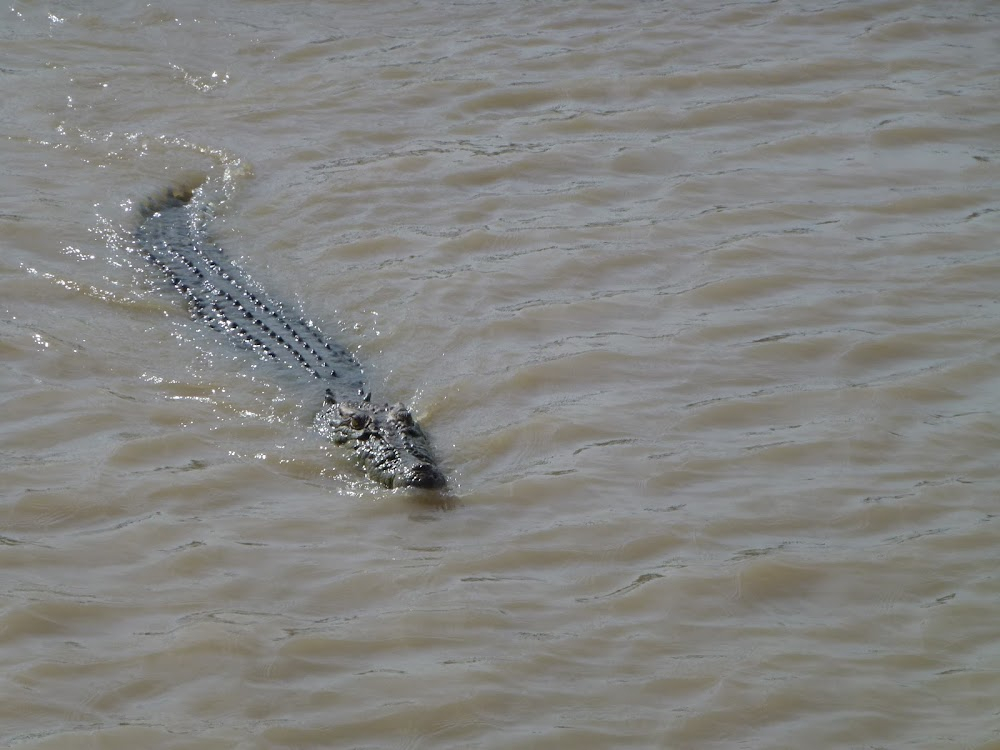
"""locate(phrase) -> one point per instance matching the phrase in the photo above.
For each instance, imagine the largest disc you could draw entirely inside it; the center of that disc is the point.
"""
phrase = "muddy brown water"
(700, 302)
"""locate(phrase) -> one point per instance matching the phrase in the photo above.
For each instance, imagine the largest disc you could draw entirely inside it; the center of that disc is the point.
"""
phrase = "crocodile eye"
(359, 421)
(401, 414)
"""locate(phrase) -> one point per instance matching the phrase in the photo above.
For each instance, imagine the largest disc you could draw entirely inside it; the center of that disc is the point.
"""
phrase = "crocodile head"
(386, 441)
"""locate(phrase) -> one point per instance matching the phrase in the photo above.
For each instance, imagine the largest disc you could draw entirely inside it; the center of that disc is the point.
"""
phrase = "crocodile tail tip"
(178, 194)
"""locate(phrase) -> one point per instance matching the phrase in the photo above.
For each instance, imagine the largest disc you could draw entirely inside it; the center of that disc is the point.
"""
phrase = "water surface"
(698, 301)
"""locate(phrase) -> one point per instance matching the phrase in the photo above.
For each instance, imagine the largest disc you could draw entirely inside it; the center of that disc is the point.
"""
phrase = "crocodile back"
(173, 236)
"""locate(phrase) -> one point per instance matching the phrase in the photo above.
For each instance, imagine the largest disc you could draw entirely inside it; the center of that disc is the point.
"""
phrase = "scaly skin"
(386, 440)
(387, 443)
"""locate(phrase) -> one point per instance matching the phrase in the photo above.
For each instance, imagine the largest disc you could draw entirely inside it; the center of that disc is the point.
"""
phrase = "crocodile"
(384, 439)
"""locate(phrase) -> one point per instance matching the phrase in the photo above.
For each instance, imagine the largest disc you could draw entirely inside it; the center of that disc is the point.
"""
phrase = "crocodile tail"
(177, 195)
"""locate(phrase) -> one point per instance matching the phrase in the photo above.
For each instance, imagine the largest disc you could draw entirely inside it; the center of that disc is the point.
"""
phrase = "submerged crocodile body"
(387, 443)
